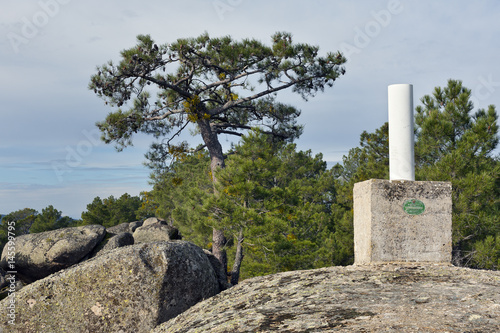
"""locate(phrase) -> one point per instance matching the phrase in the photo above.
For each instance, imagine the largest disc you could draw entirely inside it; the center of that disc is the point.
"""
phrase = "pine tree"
(50, 219)
(111, 211)
(23, 218)
(274, 205)
(454, 144)
(218, 86)
(16, 223)
(179, 192)
(275, 202)
(369, 161)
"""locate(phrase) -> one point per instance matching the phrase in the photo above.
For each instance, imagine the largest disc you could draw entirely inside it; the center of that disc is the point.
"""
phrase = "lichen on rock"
(41, 254)
(378, 298)
(129, 289)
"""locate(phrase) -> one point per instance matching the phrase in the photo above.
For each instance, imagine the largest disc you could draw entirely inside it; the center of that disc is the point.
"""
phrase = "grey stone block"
(402, 221)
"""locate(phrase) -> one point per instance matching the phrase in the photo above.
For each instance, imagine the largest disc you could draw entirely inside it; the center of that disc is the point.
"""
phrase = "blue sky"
(49, 152)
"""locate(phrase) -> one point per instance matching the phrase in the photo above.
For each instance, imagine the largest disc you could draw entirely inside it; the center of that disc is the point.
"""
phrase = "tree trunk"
(235, 272)
(214, 147)
(218, 243)
(216, 161)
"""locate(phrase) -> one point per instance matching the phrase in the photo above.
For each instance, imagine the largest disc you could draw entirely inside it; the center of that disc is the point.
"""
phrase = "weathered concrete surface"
(385, 232)
(382, 298)
(129, 289)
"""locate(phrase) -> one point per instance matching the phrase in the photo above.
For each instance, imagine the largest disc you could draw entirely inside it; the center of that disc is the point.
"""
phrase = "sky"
(50, 152)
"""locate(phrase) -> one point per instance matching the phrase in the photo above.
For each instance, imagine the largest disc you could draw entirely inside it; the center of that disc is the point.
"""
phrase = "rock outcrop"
(153, 232)
(386, 298)
(41, 254)
(113, 242)
(124, 227)
(219, 271)
(152, 220)
(129, 289)
(155, 285)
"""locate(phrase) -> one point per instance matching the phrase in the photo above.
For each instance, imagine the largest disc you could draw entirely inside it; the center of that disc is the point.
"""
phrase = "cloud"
(46, 107)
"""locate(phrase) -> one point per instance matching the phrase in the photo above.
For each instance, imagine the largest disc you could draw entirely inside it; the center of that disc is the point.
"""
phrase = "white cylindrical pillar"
(401, 135)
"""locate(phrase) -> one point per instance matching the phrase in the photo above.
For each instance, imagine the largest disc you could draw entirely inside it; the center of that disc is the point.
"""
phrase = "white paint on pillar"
(401, 136)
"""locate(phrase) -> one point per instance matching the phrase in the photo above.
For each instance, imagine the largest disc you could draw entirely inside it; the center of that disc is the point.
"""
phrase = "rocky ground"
(92, 279)
(383, 298)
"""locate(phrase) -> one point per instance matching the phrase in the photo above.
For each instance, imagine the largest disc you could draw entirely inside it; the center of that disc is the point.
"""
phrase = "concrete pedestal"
(402, 221)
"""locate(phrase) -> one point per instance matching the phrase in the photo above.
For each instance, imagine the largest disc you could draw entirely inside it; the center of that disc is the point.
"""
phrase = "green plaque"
(414, 207)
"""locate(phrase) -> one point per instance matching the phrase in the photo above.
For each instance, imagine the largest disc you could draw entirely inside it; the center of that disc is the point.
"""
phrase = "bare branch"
(231, 104)
(231, 79)
(164, 84)
(221, 131)
(178, 132)
(165, 115)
